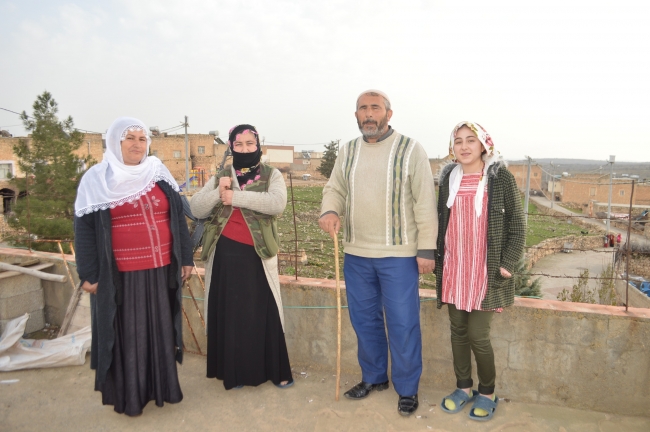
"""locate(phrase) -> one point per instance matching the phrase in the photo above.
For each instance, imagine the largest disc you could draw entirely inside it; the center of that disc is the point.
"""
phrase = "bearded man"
(382, 185)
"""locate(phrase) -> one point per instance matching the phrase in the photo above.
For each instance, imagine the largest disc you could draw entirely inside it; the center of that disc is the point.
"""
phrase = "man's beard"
(375, 131)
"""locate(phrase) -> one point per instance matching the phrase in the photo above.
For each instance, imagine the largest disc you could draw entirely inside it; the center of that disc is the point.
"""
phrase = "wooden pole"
(32, 272)
(338, 313)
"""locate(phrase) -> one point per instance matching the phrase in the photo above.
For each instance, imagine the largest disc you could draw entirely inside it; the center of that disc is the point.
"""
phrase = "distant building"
(520, 172)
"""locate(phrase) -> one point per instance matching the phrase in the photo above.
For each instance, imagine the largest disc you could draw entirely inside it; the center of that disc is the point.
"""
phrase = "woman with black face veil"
(243, 307)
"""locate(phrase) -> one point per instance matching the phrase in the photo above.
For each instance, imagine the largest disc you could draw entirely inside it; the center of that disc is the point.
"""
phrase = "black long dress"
(143, 368)
(246, 344)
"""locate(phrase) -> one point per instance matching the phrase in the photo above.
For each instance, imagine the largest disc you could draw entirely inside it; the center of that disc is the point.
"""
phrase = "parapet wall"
(583, 356)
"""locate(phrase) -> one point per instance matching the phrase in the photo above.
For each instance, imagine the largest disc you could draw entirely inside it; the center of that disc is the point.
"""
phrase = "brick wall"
(520, 171)
(583, 188)
(642, 194)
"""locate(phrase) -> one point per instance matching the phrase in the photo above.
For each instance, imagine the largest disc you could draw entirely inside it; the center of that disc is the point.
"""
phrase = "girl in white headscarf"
(481, 235)
(133, 255)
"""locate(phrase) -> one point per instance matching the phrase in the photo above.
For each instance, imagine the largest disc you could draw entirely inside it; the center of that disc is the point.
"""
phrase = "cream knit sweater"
(386, 194)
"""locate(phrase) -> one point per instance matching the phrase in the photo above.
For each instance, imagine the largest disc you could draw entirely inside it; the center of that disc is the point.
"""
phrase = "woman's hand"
(505, 273)
(226, 197)
(224, 184)
(187, 272)
(89, 288)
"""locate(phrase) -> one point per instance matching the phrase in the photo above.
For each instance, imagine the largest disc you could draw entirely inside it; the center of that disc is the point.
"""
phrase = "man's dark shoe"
(363, 389)
(407, 404)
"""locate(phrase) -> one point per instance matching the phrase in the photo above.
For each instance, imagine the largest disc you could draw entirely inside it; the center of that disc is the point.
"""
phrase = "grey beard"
(376, 132)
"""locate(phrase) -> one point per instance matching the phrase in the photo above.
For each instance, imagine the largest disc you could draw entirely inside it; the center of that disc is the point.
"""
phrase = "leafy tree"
(524, 287)
(329, 157)
(52, 173)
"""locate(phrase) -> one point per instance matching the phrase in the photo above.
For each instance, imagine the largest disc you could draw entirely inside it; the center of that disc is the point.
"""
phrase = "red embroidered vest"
(142, 238)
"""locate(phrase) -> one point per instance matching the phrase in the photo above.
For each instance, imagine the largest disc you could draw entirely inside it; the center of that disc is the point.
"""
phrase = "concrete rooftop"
(62, 399)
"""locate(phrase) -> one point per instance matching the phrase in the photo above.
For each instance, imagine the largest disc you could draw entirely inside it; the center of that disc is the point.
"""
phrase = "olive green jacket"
(272, 203)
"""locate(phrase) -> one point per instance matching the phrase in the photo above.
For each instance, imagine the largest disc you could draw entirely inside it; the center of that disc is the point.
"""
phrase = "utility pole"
(553, 186)
(187, 159)
(609, 201)
(527, 189)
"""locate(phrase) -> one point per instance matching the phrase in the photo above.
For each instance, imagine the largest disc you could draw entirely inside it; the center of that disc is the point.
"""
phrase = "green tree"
(524, 287)
(52, 172)
(329, 157)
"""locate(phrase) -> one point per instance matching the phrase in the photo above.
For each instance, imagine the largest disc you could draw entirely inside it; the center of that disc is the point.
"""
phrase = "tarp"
(18, 353)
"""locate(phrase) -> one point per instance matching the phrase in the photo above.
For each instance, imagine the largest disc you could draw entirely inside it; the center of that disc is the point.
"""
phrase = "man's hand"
(187, 272)
(330, 223)
(425, 265)
(505, 273)
(92, 289)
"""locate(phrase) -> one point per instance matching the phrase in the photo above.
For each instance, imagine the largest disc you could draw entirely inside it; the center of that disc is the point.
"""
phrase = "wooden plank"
(32, 272)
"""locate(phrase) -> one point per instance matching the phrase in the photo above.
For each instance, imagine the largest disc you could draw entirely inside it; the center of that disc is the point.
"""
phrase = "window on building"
(592, 191)
(534, 174)
(621, 192)
(5, 171)
(201, 150)
(155, 153)
(177, 154)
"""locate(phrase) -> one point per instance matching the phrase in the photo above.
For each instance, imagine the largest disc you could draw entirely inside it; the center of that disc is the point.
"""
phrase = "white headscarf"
(111, 183)
(457, 173)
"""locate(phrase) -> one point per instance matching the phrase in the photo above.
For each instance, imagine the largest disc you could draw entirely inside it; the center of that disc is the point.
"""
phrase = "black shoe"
(407, 404)
(363, 389)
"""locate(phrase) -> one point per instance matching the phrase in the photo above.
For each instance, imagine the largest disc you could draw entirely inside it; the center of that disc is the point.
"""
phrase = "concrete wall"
(577, 355)
(635, 298)
(582, 356)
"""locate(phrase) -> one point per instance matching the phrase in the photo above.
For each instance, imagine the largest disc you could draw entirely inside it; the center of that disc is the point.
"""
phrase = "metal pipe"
(627, 251)
(295, 226)
(609, 201)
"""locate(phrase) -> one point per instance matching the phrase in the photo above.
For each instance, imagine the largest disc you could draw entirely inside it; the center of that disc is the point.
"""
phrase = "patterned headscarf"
(457, 173)
(247, 165)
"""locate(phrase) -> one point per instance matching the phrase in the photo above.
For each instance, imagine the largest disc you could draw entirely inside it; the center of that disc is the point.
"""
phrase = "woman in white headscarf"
(133, 255)
(481, 236)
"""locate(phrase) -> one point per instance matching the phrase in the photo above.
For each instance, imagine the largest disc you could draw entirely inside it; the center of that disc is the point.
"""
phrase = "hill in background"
(586, 166)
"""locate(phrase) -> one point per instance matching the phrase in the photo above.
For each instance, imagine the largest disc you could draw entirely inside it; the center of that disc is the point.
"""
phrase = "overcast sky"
(558, 78)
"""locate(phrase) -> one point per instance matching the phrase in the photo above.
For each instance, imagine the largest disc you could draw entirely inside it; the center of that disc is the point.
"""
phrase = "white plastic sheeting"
(18, 353)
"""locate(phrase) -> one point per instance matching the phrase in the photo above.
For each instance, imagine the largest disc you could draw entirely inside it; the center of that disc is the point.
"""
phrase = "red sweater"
(236, 228)
(142, 237)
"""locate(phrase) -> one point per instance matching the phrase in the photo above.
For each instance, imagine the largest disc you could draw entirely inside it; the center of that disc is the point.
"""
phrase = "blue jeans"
(376, 286)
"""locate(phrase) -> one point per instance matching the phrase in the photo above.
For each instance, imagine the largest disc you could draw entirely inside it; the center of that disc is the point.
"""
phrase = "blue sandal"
(460, 398)
(485, 403)
(289, 384)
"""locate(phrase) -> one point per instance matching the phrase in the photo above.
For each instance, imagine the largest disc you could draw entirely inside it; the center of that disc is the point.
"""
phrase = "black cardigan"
(96, 263)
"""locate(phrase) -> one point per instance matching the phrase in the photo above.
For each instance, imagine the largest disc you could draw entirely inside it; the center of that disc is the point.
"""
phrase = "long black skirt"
(246, 343)
(143, 367)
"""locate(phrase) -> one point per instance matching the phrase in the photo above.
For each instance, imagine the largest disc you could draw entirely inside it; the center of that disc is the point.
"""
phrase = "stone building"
(92, 145)
(307, 162)
(580, 189)
(520, 172)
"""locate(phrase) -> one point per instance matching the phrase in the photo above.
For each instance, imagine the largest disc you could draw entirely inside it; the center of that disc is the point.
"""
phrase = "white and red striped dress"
(464, 280)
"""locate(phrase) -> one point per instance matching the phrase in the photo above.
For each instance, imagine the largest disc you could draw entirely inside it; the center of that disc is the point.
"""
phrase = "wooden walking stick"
(338, 312)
